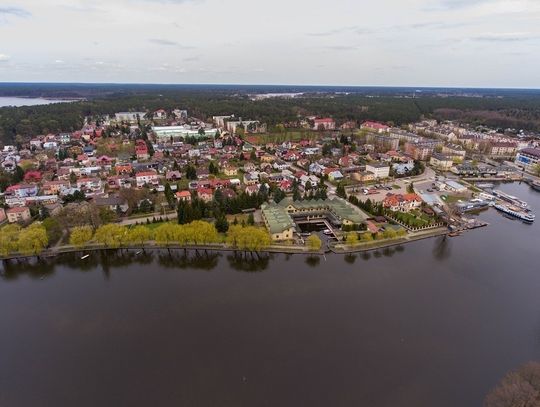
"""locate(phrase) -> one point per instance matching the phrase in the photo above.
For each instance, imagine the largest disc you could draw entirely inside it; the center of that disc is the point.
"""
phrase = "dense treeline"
(521, 111)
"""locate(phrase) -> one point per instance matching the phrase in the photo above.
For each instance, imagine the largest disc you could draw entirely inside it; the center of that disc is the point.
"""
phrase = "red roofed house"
(32, 176)
(402, 203)
(141, 151)
(375, 126)
(286, 185)
(252, 189)
(324, 124)
(183, 196)
(123, 169)
(291, 156)
(205, 194)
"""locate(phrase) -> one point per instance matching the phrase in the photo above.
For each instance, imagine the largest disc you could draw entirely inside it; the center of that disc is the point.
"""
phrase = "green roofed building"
(279, 218)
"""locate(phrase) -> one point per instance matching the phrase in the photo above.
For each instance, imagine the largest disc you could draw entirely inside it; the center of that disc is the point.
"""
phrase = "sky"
(458, 43)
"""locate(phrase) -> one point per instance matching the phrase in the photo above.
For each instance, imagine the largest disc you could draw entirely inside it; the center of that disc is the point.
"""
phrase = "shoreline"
(338, 248)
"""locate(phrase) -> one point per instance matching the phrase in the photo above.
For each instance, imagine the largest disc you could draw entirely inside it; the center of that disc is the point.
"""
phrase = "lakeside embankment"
(338, 248)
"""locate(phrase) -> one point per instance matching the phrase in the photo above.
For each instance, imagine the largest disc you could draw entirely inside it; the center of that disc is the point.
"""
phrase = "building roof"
(17, 209)
(535, 152)
(279, 219)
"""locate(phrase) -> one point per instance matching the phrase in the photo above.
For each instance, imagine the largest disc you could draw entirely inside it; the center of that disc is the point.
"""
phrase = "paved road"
(169, 216)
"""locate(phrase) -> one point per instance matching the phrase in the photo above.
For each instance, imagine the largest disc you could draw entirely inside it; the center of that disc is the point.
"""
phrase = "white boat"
(510, 199)
(85, 256)
(515, 212)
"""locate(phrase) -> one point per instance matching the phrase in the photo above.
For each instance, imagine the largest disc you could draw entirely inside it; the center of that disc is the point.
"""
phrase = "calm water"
(17, 101)
(434, 323)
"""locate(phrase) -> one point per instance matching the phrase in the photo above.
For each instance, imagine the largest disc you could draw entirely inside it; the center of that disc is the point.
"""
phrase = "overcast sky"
(485, 43)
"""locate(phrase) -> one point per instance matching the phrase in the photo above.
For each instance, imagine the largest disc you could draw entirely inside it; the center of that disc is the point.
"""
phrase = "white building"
(164, 133)
(147, 177)
(380, 170)
(528, 158)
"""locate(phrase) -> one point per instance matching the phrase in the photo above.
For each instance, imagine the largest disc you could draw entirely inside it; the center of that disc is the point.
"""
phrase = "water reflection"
(313, 260)
(249, 264)
(108, 260)
(442, 248)
(184, 260)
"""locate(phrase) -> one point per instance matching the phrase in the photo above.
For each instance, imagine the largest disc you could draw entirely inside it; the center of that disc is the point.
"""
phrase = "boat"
(485, 185)
(85, 256)
(327, 232)
(510, 199)
(515, 212)
(535, 185)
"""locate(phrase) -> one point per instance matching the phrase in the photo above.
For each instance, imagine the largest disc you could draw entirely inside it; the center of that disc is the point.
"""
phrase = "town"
(166, 178)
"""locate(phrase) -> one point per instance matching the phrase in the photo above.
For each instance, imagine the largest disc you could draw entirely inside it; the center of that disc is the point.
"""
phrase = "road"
(150, 217)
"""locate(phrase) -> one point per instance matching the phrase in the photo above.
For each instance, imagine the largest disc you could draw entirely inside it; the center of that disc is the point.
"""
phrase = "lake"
(432, 323)
(19, 101)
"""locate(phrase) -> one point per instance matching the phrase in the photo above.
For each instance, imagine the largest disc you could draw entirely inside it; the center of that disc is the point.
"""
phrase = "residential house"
(146, 178)
(251, 189)
(89, 185)
(113, 203)
(184, 196)
(402, 202)
(441, 162)
(54, 187)
(375, 126)
(205, 194)
(123, 169)
(335, 175)
(230, 170)
(18, 214)
(22, 190)
(324, 124)
(455, 151)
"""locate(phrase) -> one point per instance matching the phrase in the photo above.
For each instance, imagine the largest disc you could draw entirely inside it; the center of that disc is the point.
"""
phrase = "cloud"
(342, 47)
(82, 8)
(191, 59)
(14, 11)
(456, 4)
(505, 37)
(169, 43)
(171, 1)
(354, 29)
(4, 58)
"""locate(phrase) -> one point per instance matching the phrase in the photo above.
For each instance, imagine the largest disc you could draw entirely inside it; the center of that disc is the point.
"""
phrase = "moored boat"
(535, 185)
(515, 212)
(510, 199)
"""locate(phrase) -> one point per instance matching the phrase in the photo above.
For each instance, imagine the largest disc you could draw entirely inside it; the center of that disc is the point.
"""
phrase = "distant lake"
(18, 101)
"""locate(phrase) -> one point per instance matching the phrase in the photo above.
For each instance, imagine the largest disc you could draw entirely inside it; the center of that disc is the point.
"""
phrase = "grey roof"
(279, 219)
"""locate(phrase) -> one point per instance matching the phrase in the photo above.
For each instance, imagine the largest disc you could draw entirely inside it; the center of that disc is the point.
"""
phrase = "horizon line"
(271, 84)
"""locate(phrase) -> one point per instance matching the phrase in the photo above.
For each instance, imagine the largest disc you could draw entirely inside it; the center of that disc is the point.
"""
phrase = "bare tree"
(519, 388)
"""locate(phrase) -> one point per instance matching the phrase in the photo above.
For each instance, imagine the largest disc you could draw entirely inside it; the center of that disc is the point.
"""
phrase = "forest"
(519, 110)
